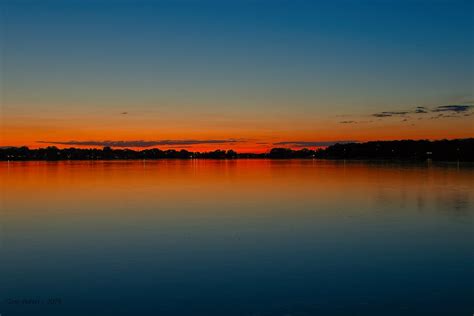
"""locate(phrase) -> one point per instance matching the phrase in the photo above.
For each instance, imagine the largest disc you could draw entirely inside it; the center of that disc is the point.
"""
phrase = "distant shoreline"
(411, 150)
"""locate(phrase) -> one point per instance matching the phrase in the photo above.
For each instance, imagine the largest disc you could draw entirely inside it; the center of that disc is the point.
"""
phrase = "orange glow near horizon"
(250, 135)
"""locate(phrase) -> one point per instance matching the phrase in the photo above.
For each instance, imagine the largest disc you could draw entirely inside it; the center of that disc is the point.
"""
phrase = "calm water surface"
(247, 237)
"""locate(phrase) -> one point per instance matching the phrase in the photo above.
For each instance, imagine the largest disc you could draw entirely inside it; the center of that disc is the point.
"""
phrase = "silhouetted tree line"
(446, 150)
(442, 150)
(107, 153)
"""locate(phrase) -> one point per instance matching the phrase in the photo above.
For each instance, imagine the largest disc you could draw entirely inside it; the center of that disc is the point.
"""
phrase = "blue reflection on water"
(393, 246)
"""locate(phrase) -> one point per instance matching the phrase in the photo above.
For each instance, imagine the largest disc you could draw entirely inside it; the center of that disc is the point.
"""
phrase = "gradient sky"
(243, 74)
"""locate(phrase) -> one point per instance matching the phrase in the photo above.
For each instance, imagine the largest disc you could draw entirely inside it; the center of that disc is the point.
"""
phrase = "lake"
(236, 237)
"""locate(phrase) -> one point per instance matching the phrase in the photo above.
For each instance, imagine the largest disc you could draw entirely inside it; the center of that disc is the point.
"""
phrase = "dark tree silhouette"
(447, 150)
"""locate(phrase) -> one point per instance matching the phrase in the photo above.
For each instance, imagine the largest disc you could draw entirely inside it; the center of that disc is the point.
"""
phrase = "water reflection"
(247, 237)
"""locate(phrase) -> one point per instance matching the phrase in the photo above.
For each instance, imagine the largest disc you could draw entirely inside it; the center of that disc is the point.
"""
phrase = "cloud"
(420, 110)
(297, 143)
(124, 113)
(142, 143)
(390, 113)
(441, 115)
(354, 122)
(453, 108)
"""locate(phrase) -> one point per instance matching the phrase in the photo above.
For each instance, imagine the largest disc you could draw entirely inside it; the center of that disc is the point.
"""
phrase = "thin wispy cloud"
(354, 122)
(142, 143)
(441, 115)
(420, 110)
(453, 108)
(447, 110)
(417, 113)
(390, 113)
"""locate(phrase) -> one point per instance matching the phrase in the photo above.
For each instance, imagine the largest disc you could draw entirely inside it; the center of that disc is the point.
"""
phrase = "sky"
(246, 75)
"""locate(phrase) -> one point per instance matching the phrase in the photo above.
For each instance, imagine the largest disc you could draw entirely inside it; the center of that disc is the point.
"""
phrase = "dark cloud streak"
(142, 143)
(453, 108)
(420, 110)
(390, 113)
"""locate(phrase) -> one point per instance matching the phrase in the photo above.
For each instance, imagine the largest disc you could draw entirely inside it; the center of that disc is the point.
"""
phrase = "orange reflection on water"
(227, 186)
